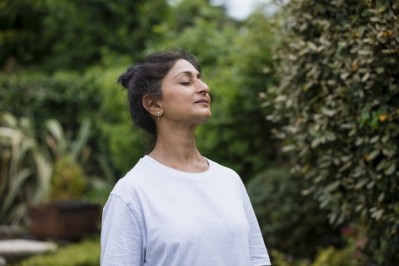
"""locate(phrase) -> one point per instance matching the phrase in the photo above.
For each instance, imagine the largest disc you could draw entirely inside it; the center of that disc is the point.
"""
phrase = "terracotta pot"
(64, 219)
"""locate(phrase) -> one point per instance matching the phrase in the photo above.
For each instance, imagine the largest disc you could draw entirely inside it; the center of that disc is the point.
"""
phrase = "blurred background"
(305, 109)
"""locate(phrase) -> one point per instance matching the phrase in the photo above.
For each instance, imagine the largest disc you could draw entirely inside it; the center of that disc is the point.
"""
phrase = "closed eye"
(185, 83)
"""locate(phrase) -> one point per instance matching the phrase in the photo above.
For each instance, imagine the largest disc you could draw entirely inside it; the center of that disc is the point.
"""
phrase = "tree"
(74, 34)
(337, 102)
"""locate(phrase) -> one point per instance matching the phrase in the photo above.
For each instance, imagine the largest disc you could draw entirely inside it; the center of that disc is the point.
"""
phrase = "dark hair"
(146, 77)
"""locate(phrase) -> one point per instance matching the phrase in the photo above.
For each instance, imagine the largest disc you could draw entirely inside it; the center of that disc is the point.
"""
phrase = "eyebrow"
(198, 74)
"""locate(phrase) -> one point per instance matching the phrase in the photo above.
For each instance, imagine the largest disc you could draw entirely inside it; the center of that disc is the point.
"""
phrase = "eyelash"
(185, 83)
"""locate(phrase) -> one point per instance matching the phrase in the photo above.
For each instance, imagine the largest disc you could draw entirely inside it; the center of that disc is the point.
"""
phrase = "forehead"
(181, 66)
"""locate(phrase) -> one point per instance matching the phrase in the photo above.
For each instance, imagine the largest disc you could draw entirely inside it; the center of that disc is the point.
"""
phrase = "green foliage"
(238, 115)
(286, 217)
(67, 96)
(348, 254)
(25, 172)
(280, 259)
(337, 102)
(85, 253)
(68, 180)
(69, 155)
(73, 34)
(227, 50)
(30, 173)
(60, 145)
(125, 143)
(329, 256)
(338, 257)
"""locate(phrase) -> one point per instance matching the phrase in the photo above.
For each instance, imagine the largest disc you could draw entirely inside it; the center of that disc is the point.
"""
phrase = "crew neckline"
(174, 172)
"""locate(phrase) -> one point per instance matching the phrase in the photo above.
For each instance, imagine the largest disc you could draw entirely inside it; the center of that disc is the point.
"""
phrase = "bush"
(329, 256)
(65, 96)
(25, 170)
(86, 253)
(338, 257)
(125, 143)
(286, 217)
(337, 100)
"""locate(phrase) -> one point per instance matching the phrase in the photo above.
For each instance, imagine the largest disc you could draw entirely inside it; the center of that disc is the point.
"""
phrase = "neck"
(177, 149)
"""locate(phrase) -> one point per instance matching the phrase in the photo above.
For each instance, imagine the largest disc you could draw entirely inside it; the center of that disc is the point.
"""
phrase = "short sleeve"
(258, 252)
(121, 235)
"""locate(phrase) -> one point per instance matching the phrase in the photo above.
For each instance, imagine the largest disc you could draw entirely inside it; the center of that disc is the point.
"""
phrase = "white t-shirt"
(157, 215)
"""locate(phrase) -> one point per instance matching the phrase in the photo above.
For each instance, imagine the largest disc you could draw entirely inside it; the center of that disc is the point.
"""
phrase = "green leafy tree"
(337, 102)
(73, 34)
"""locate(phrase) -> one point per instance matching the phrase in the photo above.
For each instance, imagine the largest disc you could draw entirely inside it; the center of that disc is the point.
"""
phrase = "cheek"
(176, 103)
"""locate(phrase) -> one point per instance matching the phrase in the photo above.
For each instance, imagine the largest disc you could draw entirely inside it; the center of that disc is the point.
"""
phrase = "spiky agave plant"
(68, 180)
(25, 170)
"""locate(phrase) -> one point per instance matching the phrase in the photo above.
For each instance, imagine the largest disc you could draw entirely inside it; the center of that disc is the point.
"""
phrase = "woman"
(176, 207)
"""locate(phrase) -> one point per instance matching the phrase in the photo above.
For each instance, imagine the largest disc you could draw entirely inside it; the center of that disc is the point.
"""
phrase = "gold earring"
(158, 115)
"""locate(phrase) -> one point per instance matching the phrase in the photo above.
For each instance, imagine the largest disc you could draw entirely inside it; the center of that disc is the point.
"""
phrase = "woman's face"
(185, 97)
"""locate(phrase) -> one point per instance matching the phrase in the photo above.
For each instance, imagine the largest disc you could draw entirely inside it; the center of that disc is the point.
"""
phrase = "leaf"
(330, 136)
(15, 187)
(315, 142)
(56, 140)
(366, 77)
(371, 184)
(361, 183)
(377, 214)
(82, 138)
(374, 139)
(391, 169)
(372, 155)
(288, 148)
(328, 112)
(381, 197)
(333, 186)
(359, 207)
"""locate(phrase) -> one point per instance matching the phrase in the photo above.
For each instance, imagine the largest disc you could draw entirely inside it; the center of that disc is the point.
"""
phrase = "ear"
(152, 105)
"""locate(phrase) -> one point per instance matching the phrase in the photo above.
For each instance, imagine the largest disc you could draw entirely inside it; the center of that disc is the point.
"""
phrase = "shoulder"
(222, 168)
(133, 181)
(225, 171)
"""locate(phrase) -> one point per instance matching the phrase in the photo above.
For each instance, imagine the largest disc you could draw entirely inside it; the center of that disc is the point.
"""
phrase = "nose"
(203, 88)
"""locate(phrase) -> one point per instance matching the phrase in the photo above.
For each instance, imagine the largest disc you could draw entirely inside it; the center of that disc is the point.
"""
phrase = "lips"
(202, 101)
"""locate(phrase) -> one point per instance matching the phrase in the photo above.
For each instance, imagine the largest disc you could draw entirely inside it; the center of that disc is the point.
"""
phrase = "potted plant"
(25, 172)
(66, 215)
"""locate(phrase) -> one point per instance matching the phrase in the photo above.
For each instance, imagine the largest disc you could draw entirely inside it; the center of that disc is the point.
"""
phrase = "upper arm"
(121, 234)
(257, 248)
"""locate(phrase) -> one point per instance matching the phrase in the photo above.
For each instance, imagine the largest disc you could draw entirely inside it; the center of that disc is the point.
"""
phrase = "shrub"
(68, 180)
(280, 259)
(25, 170)
(337, 100)
(286, 217)
(85, 253)
(339, 257)
(65, 96)
(70, 99)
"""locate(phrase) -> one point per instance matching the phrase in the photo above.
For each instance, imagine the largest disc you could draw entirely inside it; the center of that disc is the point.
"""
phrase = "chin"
(203, 119)
(207, 116)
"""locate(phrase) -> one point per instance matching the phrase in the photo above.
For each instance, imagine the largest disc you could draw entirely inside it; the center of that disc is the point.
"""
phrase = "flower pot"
(69, 220)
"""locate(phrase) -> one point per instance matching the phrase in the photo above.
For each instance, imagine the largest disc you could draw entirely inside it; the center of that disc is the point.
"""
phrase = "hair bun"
(127, 77)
